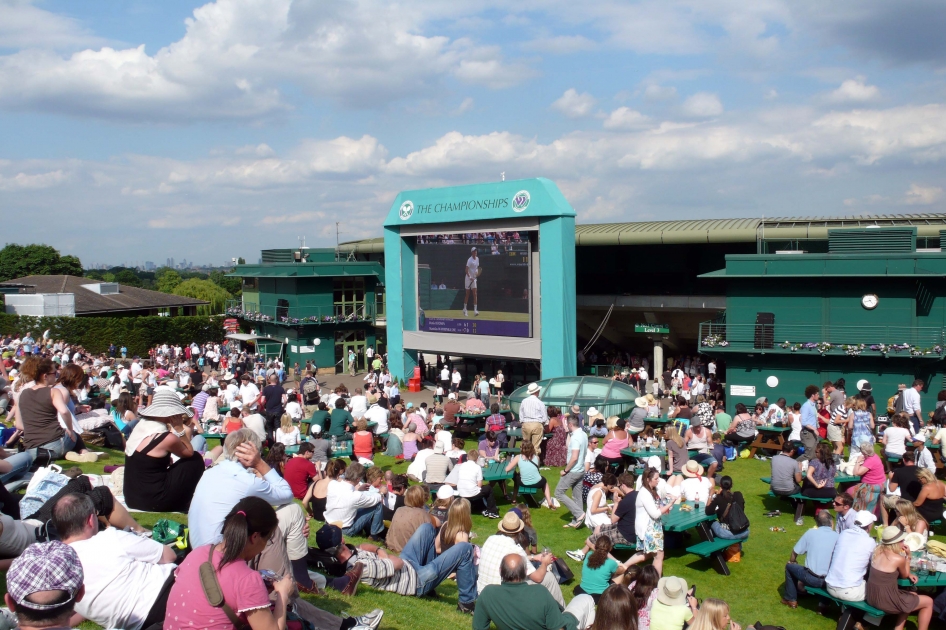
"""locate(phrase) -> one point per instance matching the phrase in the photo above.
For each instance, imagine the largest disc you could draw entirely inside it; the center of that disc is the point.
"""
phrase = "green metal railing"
(302, 315)
(824, 339)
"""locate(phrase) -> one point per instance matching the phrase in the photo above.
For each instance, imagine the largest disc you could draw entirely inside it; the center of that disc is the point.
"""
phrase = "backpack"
(735, 518)
(898, 403)
(310, 391)
(939, 416)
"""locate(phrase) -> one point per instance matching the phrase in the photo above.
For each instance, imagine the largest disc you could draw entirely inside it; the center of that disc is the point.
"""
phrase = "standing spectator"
(274, 397)
(573, 472)
(647, 522)
(556, 447)
(533, 415)
(455, 380)
(249, 393)
(809, 422)
(912, 405)
(817, 545)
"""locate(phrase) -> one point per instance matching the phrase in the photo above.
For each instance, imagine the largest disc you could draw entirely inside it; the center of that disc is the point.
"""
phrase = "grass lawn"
(752, 591)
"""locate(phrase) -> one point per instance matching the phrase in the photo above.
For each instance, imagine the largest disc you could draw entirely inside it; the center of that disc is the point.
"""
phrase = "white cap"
(445, 492)
(452, 396)
(316, 429)
(864, 518)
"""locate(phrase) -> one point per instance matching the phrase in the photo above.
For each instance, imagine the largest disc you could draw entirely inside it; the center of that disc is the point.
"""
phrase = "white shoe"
(577, 556)
(370, 620)
(465, 314)
(475, 312)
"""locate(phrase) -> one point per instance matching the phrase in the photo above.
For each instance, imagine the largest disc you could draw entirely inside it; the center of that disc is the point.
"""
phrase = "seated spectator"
(474, 406)
(891, 562)
(320, 417)
(417, 572)
(526, 464)
(409, 442)
(677, 455)
(496, 423)
(598, 569)
(363, 440)
(597, 510)
(41, 414)
(125, 413)
(457, 454)
(442, 503)
(127, 577)
(871, 471)
(695, 487)
(393, 500)
(470, 485)
(322, 448)
(617, 608)
(457, 524)
(852, 553)
(909, 520)
(15, 537)
(700, 439)
(234, 420)
(503, 543)
(743, 427)
(844, 505)
(817, 545)
(348, 502)
(930, 501)
(417, 469)
(437, 466)
(713, 615)
(644, 589)
(299, 472)
(896, 436)
(674, 607)
(819, 477)
(255, 422)
(276, 457)
(786, 478)
(488, 447)
(287, 434)
(409, 518)
(315, 497)
(43, 586)
(341, 421)
(725, 505)
(922, 455)
(505, 605)
(620, 529)
(152, 481)
(378, 412)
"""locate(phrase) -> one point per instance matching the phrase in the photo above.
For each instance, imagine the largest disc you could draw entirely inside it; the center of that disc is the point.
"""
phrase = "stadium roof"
(720, 230)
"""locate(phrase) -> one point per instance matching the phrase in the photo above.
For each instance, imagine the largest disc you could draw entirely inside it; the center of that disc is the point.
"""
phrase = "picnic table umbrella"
(612, 398)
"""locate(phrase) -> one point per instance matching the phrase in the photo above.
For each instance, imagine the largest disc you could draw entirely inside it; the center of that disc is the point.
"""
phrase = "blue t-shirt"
(529, 470)
(578, 441)
(595, 581)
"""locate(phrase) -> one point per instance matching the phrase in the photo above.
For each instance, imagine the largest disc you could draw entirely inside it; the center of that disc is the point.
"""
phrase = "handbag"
(564, 573)
(213, 592)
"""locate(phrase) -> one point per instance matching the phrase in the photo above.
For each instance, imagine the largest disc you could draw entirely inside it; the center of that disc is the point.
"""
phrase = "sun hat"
(672, 591)
(915, 541)
(592, 412)
(438, 448)
(445, 492)
(227, 376)
(165, 404)
(533, 388)
(52, 566)
(576, 409)
(692, 469)
(641, 401)
(864, 518)
(891, 534)
(511, 524)
(650, 399)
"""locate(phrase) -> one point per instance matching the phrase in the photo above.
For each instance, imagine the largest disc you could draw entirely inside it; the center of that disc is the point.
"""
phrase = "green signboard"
(660, 329)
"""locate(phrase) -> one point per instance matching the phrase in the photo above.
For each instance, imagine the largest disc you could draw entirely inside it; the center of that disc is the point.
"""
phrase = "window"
(349, 298)
(250, 284)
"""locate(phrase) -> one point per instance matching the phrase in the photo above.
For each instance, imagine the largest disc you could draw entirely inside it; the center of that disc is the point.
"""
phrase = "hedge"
(138, 334)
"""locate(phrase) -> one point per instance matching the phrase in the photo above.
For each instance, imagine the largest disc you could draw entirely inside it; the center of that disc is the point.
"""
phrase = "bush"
(138, 334)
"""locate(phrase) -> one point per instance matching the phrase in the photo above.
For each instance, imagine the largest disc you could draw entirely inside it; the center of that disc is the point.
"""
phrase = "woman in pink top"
(614, 442)
(246, 530)
(871, 472)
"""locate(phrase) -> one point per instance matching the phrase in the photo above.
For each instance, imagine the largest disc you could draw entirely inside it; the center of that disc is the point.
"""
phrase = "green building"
(872, 307)
(312, 305)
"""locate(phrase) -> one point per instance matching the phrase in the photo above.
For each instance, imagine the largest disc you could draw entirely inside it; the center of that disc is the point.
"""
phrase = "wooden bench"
(850, 610)
(714, 549)
(529, 492)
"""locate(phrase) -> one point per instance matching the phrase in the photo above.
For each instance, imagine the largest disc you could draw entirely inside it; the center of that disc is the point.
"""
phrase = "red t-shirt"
(298, 472)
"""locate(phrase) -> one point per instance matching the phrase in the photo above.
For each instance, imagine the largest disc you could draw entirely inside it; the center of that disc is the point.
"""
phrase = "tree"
(128, 277)
(17, 261)
(168, 281)
(232, 285)
(94, 274)
(204, 290)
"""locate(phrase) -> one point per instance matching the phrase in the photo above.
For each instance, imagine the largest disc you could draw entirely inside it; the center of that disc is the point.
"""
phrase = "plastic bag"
(167, 531)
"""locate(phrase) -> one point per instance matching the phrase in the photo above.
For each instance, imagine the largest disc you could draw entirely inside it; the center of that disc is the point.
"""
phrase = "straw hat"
(592, 412)
(891, 534)
(511, 524)
(533, 389)
(641, 401)
(165, 404)
(650, 399)
(672, 591)
(692, 469)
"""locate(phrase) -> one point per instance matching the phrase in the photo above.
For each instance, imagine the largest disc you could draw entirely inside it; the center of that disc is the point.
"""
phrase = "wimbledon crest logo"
(521, 201)
(406, 210)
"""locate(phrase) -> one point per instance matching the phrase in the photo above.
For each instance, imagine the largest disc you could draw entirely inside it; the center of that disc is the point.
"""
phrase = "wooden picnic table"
(769, 437)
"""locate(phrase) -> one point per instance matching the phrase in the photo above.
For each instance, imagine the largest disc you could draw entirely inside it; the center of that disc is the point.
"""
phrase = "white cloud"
(573, 104)
(463, 107)
(854, 91)
(32, 181)
(659, 92)
(922, 195)
(770, 94)
(561, 44)
(23, 25)
(236, 55)
(702, 105)
(626, 118)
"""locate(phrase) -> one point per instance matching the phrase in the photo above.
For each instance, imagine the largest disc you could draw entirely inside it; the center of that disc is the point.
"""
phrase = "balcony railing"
(301, 315)
(830, 339)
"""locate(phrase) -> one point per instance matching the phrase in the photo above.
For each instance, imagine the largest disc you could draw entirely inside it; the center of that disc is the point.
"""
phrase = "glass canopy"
(612, 398)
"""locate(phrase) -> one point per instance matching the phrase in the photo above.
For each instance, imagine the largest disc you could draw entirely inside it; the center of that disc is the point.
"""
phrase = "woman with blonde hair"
(890, 562)
(713, 615)
(458, 526)
(363, 440)
(909, 519)
(929, 503)
(843, 418)
(287, 434)
(677, 455)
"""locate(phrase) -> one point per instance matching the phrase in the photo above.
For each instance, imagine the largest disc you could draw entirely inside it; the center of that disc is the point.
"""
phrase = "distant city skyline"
(212, 130)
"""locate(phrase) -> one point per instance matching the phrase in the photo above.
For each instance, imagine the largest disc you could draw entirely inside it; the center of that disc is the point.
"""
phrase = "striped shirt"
(533, 410)
(438, 467)
(379, 573)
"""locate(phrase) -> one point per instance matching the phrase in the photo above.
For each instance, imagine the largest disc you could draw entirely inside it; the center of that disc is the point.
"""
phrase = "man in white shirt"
(232, 393)
(643, 376)
(347, 501)
(359, 405)
(470, 485)
(135, 368)
(711, 368)
(695, 486)
(922, 455)
(249, 393)
(911, 403)
(469, 281)
(255, 422)
(503, 543)
(455, 379)
(533, 415)
(127, 577)
(445, 378)
(852, 554)
(378, 412)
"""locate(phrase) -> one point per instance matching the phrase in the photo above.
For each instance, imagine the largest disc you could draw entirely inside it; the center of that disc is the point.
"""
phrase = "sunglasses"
(838, 503)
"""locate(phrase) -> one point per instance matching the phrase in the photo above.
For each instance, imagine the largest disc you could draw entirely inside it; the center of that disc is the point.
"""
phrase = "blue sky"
(136, 131)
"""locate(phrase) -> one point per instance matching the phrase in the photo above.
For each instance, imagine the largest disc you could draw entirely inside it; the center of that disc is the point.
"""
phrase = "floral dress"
(861, 432)
(643, 613)
(556, 449)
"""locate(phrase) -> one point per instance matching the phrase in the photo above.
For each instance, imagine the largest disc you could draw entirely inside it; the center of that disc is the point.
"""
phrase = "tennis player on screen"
(472, 273)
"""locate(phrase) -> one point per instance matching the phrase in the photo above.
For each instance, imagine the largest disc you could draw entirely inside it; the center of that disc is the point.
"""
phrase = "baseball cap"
(438, 448)
(52, 566)
(328, 537)
(864, 518)
(316, 429)
(445, 492)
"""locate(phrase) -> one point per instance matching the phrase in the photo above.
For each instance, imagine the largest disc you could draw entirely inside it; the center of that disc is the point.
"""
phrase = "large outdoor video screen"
(475, 284)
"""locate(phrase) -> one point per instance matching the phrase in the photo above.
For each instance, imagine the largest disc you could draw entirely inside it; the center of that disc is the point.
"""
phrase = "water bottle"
(334, 444)
(663, 444)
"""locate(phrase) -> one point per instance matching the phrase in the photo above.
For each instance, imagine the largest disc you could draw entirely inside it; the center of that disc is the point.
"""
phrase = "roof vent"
(102, 288)
(872, 239)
